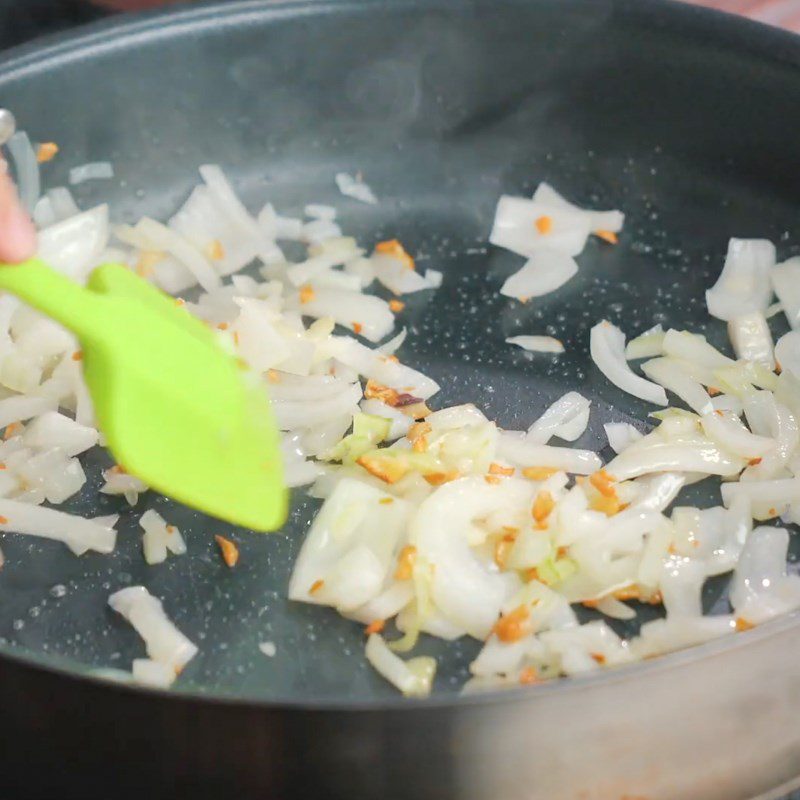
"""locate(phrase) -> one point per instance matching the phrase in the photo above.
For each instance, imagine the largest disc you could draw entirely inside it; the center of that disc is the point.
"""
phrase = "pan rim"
(718, 29)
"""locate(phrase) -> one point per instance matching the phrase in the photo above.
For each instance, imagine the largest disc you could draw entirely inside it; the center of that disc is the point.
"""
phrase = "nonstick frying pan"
(686, 119)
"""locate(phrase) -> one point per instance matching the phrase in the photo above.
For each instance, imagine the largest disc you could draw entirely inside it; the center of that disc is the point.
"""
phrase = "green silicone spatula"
(176, 410)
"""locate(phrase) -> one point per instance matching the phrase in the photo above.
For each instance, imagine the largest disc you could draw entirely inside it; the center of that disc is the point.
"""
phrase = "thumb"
(17, 233)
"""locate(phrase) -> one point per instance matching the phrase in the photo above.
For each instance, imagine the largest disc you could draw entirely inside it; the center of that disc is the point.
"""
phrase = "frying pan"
(684, 118)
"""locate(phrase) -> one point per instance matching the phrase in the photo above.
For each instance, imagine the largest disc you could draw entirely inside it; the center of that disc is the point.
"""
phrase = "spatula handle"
(52, 293)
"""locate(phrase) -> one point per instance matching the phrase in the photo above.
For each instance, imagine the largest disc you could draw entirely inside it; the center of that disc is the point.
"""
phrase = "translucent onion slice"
(668, 373)
(786, 283)
(545, 271)
(751, 338)
(537, 344)
(744, 284)
(607, 346)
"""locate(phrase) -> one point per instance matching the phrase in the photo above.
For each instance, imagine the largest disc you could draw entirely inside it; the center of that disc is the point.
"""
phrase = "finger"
(17, 233)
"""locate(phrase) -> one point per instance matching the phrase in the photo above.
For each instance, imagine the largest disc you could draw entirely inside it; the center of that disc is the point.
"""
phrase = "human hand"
(17, 233)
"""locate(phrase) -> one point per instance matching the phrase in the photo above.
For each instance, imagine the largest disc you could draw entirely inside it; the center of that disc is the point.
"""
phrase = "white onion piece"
(164, 642)
(311, 268)
(379, 368)
(527, 454)
(667, 372)
(363, 269)
(465, 591)
(433, 278)
(27, 168)
(567, 418)
(744, 283)
(274, 226)
(393, 345)
(694, 349)
(159, 538)
(414, 678)
(751, 338)
(727, 402)
(355, 188)
(77, 533)
(400, 422)
(761, 588)
(234, 211)
(74, 245)
(667, 635)
(20, 408)
(352, 309)
(62, 203)
(305, 387)
(545, 271)
(294, 414)
(769, 498)
(52, 429)
(607, 346)
(386, 605)
(117, 482)
(147, 672)
(396, 276)
(681, 583)
(656, 492)
(621, 435)
(786, 283)
(712, 537)
(351, 547)
(648, 456)
(787, 353)
(727, 430)
(785, 433)
(647, 345)
(537, 344)
(153, 236)
(611, 221)
(94, 170)
(515, 227)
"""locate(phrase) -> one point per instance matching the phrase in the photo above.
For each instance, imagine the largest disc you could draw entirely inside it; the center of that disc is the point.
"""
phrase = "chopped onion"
(414, 678)
(94, 170)
(727, 430)
(568, 459)
(607, 345)
(567, 418)
(370, 316)
(74, 245)
(77, 533)
(611, 221)
(151, 673)
(751, 338)
(355, 188)
(787, 353)
(744, 284)
(668, 372)
(694, 349)
(515, 227)
(537, 344)
(396, 276)
(786, 283)
(26, 166)
(621, 435)
(165, 643)
(545, 271)
(647, 345)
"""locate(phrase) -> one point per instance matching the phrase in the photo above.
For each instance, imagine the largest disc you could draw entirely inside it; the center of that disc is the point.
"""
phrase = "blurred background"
(21, 20)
